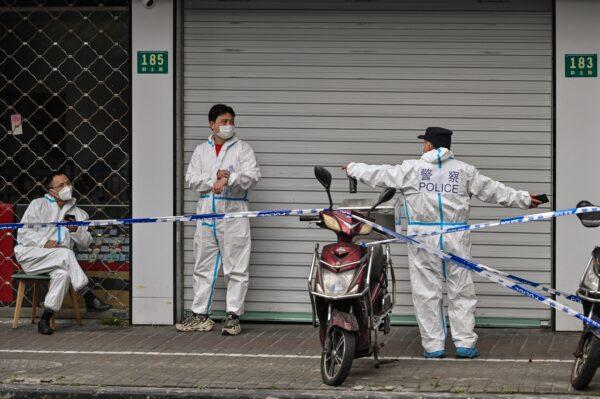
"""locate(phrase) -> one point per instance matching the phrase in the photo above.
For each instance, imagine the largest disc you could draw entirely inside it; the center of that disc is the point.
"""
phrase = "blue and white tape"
(519, 219)
(535, 284)
(483, 271)
(164, 219)
(490, 273)
(536, 217)
(294, 212)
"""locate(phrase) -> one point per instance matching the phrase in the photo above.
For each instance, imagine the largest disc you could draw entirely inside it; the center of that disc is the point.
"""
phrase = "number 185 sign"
(153, 62)
(581, 65)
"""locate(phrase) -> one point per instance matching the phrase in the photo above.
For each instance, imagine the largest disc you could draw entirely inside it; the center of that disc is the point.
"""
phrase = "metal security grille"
(64, 105)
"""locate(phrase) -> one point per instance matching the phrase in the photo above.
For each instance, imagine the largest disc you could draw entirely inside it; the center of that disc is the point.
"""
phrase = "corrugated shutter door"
(317, 82)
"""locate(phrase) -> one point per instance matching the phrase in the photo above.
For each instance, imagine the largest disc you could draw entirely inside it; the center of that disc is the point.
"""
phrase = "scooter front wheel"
(337, 355)
(586, 364)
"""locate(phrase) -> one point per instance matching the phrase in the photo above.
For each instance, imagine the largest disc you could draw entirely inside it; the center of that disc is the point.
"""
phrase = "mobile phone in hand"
(70, 218)
(543, 198)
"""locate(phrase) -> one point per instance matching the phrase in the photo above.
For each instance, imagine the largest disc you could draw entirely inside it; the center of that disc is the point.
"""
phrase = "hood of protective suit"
(228, 142)
(438, 155)
(68, 203)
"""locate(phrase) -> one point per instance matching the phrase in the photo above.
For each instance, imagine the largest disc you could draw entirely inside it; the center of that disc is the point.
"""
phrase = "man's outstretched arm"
(490, 190)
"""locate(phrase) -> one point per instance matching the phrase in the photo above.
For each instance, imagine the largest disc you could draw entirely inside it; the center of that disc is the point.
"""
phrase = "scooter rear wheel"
(585, 365)
(337, 355)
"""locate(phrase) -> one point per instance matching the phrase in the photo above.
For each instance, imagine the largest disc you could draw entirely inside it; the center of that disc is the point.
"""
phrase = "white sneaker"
(195, 322)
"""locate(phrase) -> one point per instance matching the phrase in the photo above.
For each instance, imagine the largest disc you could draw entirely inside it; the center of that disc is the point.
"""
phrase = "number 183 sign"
(152, 62)
(581, 65)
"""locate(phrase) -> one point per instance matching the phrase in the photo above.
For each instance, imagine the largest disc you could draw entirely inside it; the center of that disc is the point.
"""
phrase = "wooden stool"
(37, 279)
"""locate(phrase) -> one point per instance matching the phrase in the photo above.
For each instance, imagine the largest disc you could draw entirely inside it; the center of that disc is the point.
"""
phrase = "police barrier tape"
(163, 219)
(481, 270)
(519, 219)
(298, 212)
(540, 286)
(293, 212)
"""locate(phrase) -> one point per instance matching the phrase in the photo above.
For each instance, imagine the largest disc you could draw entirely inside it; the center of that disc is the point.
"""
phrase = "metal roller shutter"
(326, 82)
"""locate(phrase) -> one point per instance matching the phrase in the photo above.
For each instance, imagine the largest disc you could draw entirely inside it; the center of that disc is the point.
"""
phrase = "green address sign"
(581, 65)
(153, 62)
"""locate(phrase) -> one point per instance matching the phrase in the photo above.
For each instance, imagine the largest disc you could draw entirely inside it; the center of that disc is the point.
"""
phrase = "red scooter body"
(349, 288)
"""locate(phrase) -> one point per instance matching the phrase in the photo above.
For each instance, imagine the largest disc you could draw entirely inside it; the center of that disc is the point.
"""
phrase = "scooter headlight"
(336, 284)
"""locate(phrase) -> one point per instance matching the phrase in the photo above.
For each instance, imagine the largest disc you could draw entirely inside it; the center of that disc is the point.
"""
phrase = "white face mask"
(226, 132)
(65, 193)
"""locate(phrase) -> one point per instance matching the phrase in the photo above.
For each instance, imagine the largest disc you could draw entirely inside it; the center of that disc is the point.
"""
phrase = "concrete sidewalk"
(280, 360)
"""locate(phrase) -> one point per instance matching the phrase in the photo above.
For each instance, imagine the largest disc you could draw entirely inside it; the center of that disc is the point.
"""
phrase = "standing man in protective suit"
(221, 171)
(437, 190)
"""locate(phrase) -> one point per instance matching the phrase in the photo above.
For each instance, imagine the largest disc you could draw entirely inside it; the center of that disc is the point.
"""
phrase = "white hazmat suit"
(437, 189)
(222, 242)
(60, 262)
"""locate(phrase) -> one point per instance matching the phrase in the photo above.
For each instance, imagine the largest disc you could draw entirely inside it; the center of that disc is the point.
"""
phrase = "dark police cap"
(438, 136)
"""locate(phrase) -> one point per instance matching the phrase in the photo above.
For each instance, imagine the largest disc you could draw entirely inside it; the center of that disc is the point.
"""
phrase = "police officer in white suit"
(437, 190)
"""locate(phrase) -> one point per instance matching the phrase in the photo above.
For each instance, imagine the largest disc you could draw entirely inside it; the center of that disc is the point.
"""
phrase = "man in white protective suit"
(437, 190)
(50, 249)
(221, 170)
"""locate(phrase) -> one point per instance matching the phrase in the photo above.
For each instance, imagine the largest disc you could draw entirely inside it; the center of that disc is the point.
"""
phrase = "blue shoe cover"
(434, 355)
(467, 353)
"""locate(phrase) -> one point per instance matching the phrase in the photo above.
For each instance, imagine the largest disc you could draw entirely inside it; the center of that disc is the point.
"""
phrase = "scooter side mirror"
(323, 176)
(385, 196)
(588, 219)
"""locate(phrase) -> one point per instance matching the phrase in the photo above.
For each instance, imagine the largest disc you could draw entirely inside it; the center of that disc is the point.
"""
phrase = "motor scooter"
(350, 294)
(587, 354)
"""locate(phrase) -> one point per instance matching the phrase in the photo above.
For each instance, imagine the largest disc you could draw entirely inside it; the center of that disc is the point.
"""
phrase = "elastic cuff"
(465, 344)
(232, 179)
(349, 170)
(203, 313)
(434, 349)
(238, 314)
(84, 290)
(528, 200)
(434, 354)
